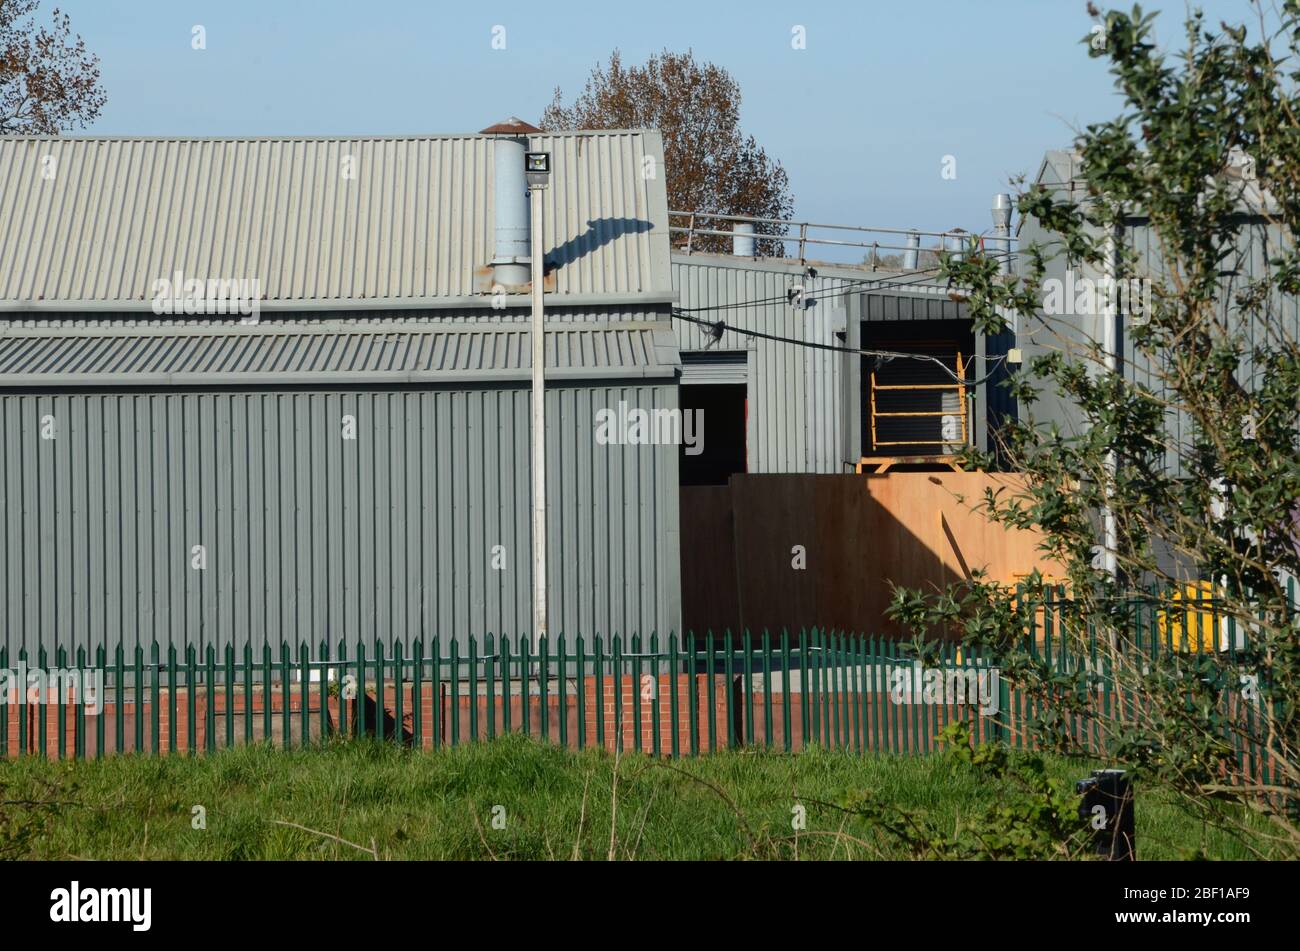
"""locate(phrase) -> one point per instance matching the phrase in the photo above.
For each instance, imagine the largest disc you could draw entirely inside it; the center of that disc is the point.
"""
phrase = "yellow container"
(1185, 626)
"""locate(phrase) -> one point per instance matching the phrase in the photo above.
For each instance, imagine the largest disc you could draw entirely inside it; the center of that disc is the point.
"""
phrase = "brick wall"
(652, 691)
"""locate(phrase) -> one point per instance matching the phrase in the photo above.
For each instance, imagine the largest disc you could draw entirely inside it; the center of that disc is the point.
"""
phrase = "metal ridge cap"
(324, 328)
(476, 302)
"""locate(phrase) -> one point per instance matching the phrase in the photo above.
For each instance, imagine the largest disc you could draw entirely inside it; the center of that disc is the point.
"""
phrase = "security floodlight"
(537, 168)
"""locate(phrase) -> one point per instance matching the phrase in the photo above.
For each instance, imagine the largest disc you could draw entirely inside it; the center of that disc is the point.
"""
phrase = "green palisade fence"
(667, 696)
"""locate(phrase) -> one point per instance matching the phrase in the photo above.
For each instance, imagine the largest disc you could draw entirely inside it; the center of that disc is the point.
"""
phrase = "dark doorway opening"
(719, 415)
(912, 408)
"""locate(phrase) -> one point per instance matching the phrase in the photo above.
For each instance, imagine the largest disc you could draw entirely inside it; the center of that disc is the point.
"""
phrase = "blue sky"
(861, 118)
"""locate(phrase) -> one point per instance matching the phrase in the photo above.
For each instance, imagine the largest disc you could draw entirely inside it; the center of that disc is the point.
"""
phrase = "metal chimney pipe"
(956, 244)
(742, 241)
(911, 257)
(510, 259)
(1002, 228)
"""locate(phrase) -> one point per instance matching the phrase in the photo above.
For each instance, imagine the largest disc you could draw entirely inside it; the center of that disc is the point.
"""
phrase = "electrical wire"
(843, 284)
(719, 327)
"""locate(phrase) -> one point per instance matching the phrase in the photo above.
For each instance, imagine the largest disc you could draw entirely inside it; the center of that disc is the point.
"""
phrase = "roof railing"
(690, 224)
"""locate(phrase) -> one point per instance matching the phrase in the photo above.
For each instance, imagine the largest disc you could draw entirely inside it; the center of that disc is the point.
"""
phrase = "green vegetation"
(364, 799)
(1158, 434)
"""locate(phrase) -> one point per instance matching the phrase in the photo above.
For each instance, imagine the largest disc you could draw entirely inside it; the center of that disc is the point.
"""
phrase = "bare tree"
(49, 83)
(712, 167)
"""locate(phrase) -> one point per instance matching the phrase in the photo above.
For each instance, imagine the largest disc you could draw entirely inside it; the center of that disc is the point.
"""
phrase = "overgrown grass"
(364, 799)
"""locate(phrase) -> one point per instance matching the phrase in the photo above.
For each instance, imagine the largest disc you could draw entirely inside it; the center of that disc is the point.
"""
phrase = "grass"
(366, 800)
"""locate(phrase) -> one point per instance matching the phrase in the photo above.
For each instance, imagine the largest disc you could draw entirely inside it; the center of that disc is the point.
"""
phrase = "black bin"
(1113, 792)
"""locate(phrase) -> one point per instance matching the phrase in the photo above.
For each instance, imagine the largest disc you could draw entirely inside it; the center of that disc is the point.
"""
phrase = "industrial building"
(348, 458)
(1080, 321)
(256, 391)
(787, 369)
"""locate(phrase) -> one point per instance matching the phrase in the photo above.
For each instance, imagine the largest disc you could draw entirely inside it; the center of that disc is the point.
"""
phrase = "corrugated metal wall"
(309, 535)
(794, 408)
(796, 394)
(1256, 243)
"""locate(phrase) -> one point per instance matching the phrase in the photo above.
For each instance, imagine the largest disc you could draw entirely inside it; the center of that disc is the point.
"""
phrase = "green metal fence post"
(154, 699)
(248, 693)
(60, 706)
(748, 687)
(655, 743)
(767, 689)
(79, 715)
(267, 730)
(380, 679)
(635, 649)
(304, 694)
(229, 677)
(880, 697)
(728, 662)
(360, 719)
(101, 665)
(598, 669)
(710, 687)
(490, 675)
(581, 698)
(472, 688)
(693, 693)
(417, 693)
(858, 695)
(343, 688)
(323, 691)
(4, 708)
(191, 708)
(787, 738)
(398, 687)
(435, 689)
(138, 693)
(543, 678)
(616, 675)
(505, 683)
(674, 707)
(805, 713)
(525, 682)
(286, 700)
(453, 681)
(561, 690)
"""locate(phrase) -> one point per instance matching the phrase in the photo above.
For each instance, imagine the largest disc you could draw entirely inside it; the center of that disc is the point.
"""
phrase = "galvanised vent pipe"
(510, 259)
(911, 257)
(742, 239)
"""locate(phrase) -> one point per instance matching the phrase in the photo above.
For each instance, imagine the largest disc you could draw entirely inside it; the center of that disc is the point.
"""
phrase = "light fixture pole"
(537, 166)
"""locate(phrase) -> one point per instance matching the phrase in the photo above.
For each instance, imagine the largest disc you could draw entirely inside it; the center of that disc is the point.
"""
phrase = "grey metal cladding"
(310, 536)
(1257, 242)
(796, 413)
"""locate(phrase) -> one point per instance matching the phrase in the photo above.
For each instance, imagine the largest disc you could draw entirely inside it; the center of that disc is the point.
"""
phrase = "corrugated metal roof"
(371, 354)
(89, 223)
